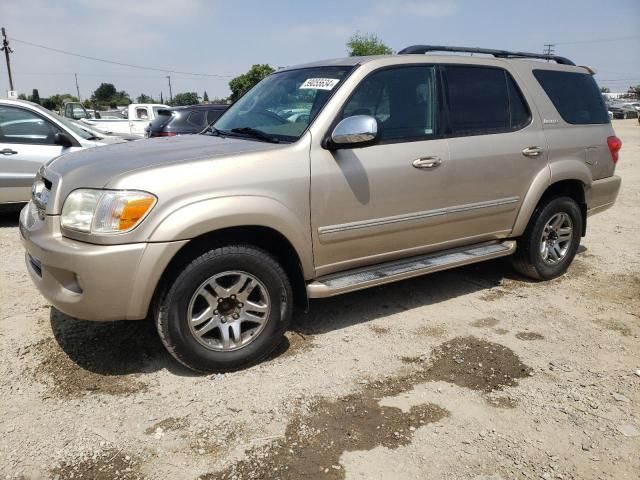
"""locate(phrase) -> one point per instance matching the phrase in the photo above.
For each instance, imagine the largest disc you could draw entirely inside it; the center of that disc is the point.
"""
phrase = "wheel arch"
(569, 178)
(265, 238)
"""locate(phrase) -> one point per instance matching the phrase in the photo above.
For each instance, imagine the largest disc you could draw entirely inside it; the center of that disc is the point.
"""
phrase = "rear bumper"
(602, 194)
(92, 282)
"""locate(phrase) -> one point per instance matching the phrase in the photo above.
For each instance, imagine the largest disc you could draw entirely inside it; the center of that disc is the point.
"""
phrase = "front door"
(388, 200)
(26, 142)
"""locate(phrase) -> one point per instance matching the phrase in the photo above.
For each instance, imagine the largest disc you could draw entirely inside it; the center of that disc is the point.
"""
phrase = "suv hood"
(95, 167)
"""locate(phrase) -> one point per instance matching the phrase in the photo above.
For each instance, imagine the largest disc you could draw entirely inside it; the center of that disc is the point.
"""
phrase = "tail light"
(614, 144)
(163, 134)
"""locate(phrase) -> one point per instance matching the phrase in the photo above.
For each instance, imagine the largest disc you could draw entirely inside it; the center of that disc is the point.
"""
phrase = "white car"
(139, 115)
(31, 135)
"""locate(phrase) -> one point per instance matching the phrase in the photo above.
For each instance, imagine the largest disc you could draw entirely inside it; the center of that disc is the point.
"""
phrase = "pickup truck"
(140, 115)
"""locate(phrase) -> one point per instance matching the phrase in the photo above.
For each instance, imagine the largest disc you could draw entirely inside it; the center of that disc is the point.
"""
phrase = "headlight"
(105, 211)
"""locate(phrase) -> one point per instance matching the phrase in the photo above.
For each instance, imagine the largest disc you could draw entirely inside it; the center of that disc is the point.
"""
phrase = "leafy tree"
(361, 45)
(634, 91)
(243, 83)
(161, 98)
(22, 96)
(144, 98)
(186, 98)
(55, 102)
(205, 97)
(35, 96)
(104, 93)
(604, 90)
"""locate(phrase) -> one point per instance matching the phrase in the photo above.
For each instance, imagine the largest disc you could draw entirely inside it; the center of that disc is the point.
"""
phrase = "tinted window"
(213, 115)
(483, 100)
(22, 126)
(404, 100)
(196, 119)
(575, 95)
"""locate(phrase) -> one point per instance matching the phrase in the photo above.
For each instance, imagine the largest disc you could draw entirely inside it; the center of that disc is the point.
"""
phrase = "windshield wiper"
(255, 133)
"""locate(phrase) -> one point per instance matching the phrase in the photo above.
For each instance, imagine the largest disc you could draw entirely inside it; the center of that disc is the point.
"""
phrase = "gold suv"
(323, 179)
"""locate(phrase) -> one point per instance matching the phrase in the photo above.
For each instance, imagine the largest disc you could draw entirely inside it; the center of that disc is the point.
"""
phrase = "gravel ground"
(471, 373)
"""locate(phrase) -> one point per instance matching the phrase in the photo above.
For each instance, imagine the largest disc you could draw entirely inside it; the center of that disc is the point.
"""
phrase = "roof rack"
(421, 49)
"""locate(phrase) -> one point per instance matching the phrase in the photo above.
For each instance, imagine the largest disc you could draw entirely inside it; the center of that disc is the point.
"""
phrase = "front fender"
(205, 216)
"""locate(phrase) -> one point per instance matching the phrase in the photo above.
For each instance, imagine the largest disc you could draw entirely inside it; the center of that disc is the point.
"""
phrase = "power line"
(112, 62)
(598, 40)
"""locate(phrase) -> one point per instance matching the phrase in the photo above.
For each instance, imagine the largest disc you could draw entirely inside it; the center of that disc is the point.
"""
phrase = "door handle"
(427, 162)
(8, 151)
(532, 152)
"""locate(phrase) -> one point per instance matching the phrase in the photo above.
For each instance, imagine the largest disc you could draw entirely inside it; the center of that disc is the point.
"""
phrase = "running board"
(360, 278)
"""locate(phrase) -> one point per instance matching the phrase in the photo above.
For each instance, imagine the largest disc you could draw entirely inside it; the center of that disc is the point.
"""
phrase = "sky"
(224, 38)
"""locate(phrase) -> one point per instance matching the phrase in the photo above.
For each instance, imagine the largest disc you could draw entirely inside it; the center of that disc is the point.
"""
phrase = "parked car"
(404, 165)
(31, 135)
(184, 120)
(623, 111)
(138, 117)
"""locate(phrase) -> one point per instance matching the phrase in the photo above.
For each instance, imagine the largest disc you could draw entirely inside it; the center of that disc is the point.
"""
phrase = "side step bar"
(360, 278)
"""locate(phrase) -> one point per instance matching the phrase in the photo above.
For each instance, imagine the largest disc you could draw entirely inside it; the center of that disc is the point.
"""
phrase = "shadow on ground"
(126, 347)
(131, 347)
(10, 215)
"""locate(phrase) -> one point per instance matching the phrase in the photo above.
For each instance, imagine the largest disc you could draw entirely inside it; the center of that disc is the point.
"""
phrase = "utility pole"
(170, 94)
(548, 49)
(77, 87)
(7, 50)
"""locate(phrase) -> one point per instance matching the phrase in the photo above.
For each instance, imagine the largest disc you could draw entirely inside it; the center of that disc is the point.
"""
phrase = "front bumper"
(92, 282)
(602, 194)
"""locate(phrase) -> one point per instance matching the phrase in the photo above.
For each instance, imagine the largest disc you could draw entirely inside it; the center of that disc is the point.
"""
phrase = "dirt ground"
(472, 373)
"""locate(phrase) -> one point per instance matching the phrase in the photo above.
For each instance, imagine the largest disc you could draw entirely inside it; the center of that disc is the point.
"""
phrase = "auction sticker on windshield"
(319, 84)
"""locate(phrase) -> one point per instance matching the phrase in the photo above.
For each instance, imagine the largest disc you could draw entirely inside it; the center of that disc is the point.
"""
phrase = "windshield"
(283, 104)
(73, 127)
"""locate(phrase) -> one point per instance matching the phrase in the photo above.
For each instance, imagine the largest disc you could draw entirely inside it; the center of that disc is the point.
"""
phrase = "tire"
(205, 288)
(535, 261)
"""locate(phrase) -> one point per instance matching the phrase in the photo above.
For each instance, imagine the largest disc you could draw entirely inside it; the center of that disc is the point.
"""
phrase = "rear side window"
(483, 100)
(213, 115)
(196, 119)
(575, 95)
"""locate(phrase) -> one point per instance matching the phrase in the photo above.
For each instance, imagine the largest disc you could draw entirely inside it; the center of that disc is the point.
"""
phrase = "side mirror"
(62, 139)
(354, 132)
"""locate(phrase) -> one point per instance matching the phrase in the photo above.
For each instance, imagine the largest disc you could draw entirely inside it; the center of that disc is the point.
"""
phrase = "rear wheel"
(550, 241)
(227, 309)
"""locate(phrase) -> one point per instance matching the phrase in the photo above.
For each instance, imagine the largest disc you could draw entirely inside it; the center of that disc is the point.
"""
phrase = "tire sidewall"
(188, 350)
(559, 205)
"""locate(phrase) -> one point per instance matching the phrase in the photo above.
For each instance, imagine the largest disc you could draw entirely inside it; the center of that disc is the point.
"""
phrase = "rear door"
(496, 150)
(26, 142)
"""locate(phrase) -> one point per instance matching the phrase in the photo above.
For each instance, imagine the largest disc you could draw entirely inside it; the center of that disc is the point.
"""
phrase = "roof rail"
(421, 49)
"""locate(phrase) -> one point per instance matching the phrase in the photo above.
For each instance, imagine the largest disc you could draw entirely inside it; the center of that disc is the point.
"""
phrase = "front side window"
(483, 100)
(284, 104)
(18, 125)
(403, 100)
(575, 95)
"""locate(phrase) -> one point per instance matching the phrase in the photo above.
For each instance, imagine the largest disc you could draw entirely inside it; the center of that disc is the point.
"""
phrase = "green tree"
(205, 97)
(144, 98)
(35, 96)
(22, 96)
(361, 45)
(55, 102)
(634, 91)
(243, 83)
(186, 98)
(604, 90)
(104, 93)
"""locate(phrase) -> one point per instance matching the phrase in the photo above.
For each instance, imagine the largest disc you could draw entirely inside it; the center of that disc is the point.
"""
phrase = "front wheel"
(228, 309)
(550, 241)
